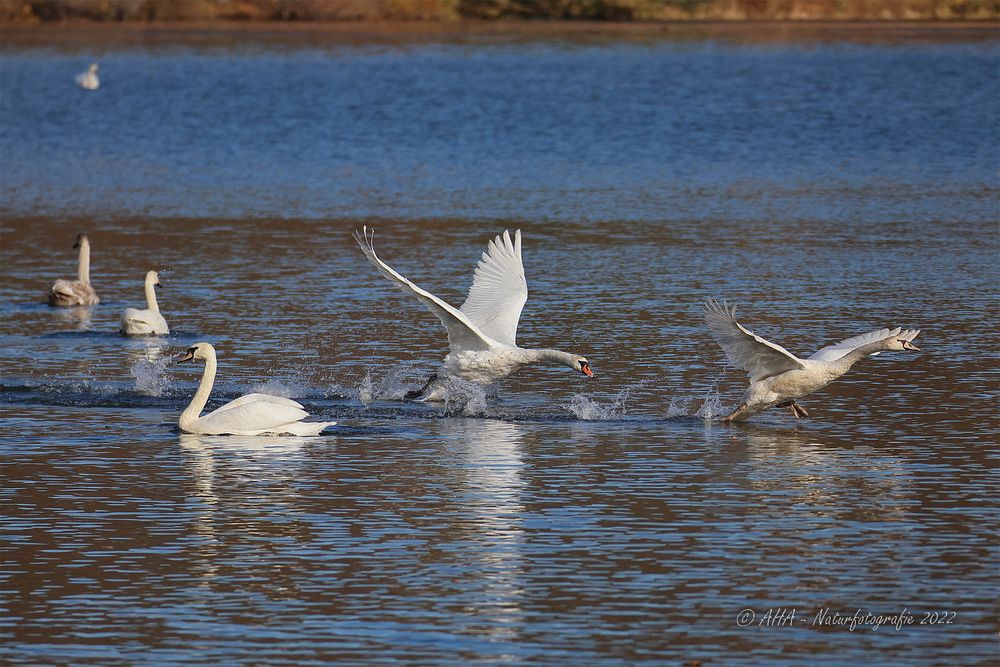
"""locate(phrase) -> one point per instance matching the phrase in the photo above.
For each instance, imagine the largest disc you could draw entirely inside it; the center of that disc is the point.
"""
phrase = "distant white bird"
(77, 292)
(253, 414)
(778, 377)
(88, 79)
(481, 333)
(149, 321)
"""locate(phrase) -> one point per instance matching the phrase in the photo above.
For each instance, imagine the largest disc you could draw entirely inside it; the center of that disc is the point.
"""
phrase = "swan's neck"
(844, 364)
(549, 356)
(83, 269)
(151, 296)
(193, 410)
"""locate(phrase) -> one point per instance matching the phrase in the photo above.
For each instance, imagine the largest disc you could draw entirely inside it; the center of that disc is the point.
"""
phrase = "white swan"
(148, 321)
(76, 292)
(253, 414)
(481, 333)
(88, 79)
(778, 377)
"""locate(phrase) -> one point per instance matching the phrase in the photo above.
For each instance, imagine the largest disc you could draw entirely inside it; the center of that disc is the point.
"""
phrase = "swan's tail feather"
(308, 428)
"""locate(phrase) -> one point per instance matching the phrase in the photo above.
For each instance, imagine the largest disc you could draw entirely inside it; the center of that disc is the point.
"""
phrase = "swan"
(778, 377)
(253, 414)
(149, 321)
(481, 333)
(77, 292)
(88, 80)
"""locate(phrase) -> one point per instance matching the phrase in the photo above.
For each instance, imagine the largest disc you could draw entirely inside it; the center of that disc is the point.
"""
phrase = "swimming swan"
(481, 333)
(76, 292)
(778, 377)
(147, 322)
(253, 414)
(88, 79)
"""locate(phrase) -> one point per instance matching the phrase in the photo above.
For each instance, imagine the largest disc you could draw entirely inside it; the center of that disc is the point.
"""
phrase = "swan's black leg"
(417, 393)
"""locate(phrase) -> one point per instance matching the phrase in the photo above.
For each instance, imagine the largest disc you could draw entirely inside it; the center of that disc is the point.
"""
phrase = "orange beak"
(586, 370)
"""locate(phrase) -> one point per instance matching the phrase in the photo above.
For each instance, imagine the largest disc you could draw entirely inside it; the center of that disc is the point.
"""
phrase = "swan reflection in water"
(228, 473)
(831, 479)
(488, 456)
(78, 317)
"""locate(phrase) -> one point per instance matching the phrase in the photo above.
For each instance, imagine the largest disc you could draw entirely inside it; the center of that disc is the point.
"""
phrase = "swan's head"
(153, 278)
(581, 364)
(197, 351)
(93, 68)
(81, 239)
(903, 341)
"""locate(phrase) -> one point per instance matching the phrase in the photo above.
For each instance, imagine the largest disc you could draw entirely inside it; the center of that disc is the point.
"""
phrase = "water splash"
(678, 408)
(279, 388)
(708, 407)
(150, 373)
(467, 398)
(389, 386)
(589, 409)
(711, 407)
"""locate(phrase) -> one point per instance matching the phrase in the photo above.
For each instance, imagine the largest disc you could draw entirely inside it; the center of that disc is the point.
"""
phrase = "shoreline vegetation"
(33, 12)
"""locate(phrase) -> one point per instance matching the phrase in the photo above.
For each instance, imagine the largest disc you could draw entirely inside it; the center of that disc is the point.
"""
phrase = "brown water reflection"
(252, 36)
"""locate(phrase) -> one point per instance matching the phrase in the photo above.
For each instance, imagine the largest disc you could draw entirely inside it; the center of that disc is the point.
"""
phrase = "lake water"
(828, 186)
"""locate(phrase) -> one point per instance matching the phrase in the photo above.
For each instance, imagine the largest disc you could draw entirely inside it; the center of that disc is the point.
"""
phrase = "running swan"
(253, 414)
(88, 80)
(76, 292)
(148, 322)
(481, 333)
(778, 377)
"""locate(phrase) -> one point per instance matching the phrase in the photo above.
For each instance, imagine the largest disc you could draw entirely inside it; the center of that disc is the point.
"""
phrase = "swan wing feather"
(254, 412)
(61, 286)
(146, 317)
(759, 357)
(463, 334)
(135, 320)
(249, 398)
(73, 291)
(499, 289)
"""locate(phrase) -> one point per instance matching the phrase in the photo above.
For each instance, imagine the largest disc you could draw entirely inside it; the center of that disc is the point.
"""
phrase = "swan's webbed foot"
(414, 394)
(739, 414)
(798, 411)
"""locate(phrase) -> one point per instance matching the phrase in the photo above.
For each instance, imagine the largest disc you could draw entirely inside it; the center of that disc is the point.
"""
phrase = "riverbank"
(85, 36)
(28, 11)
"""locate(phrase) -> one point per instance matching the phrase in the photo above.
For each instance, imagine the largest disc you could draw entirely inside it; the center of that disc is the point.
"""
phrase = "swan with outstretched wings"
(482, 334)
(778, 377)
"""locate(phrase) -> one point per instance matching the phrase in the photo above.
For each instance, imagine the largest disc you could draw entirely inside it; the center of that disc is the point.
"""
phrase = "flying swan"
(778, 377)
(88, 80)
(253, 414)
(481, 333)
(76, 292)
(148, 321)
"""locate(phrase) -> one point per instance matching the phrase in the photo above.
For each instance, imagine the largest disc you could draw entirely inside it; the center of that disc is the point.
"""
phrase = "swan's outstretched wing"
(254, 412)
(744, 349)
(463, 334)
(848, 345)
(498, 290)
